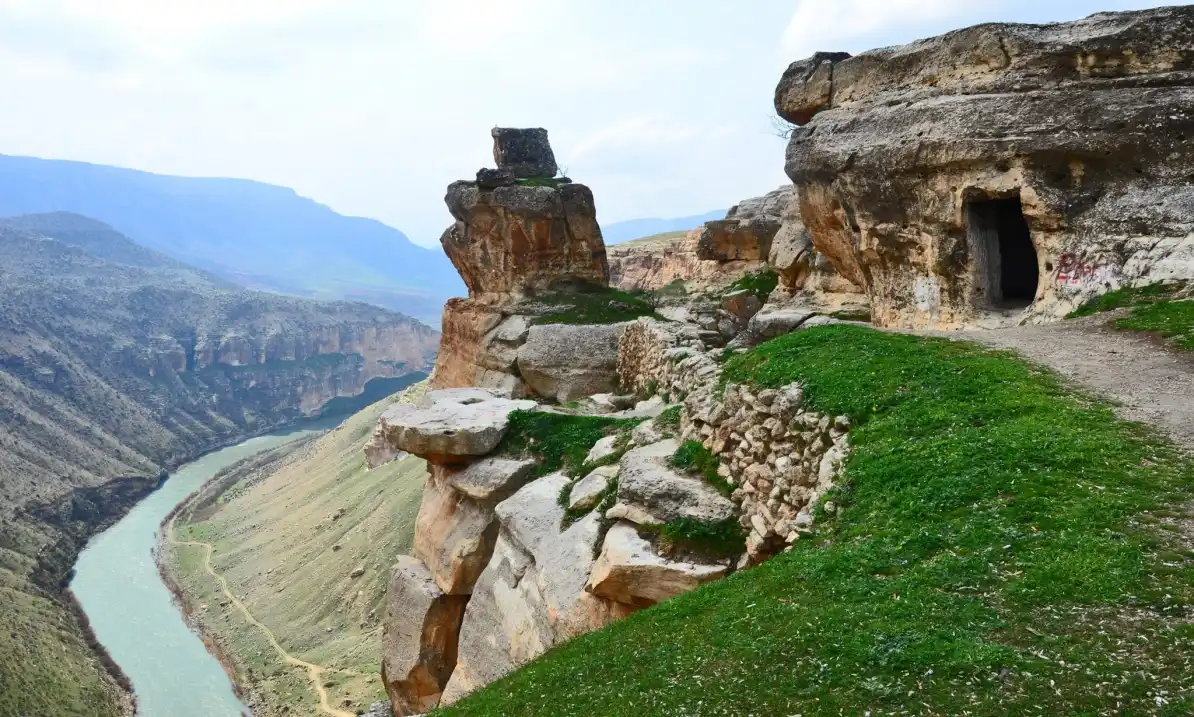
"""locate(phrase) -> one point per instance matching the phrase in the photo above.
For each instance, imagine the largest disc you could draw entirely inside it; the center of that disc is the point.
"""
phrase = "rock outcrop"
(520, 230)
(519, 233)
(539, 559)
(422, 629)
(746, 232)
(962, 178)
(652, 263)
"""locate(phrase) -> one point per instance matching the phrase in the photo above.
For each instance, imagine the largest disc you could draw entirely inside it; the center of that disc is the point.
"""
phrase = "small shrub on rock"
(693, 457)
(558, 441)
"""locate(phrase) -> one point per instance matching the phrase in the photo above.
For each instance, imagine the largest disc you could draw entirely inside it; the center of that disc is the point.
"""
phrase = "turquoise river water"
(133, 613)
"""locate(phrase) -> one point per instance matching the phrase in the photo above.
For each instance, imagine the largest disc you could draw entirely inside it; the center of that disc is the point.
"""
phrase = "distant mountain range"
(257, 235)
(619, 232)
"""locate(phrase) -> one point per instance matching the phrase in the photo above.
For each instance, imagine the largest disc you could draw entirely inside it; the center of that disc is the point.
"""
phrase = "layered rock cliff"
(965, 177)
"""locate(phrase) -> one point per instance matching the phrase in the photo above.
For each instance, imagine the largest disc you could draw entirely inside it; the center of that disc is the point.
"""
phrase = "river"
(133, 613)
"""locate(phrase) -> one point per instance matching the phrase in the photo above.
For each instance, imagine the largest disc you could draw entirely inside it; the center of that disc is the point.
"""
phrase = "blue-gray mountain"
(257, 235)
(619, 232)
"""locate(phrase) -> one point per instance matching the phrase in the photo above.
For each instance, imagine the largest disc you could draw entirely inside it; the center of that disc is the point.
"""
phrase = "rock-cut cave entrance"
(1005, 258)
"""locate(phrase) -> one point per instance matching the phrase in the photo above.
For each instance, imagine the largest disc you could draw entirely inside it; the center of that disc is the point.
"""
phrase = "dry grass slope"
(288, 538)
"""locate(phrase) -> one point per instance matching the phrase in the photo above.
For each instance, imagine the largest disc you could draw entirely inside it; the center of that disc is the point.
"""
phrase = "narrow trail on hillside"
(1151, 383)
(314, 672)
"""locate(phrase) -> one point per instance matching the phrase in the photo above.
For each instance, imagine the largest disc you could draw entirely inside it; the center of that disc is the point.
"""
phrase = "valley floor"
(305, 543)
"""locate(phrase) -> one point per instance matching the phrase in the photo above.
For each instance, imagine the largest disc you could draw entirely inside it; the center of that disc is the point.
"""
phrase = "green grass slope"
(288, 538)
(1165, 310)
(999, 545)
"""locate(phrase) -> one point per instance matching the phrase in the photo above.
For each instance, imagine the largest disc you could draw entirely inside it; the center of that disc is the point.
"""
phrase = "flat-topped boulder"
(450, 425)
(630, 571)
(651, 493)
(524, 152)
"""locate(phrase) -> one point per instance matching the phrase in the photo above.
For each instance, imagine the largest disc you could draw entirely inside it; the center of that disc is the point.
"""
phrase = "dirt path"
(314, 672)
(1153, 384)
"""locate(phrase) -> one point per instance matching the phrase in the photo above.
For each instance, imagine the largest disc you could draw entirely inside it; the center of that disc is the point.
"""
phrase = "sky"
(663, 107)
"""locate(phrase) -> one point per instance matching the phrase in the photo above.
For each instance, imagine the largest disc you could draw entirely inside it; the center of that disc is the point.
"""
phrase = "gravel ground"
(1150, 382)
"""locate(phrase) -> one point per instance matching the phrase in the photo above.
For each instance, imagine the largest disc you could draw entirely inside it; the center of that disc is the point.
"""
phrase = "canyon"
(682, 474)
(118, 365)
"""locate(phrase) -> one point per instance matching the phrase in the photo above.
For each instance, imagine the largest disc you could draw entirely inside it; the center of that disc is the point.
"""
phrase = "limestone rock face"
(747, 231)
(650, 492)
(791, 248)
(567, 362)
(520, 239)
(961, 178)
(419, 644)
(630, 571)
(454, 534)
(480, 347)
(491, 479)
(452, 426)
(651, 264)
(532, 594)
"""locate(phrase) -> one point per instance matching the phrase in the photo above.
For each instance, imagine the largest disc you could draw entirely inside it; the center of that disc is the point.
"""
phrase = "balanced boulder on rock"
(630, 571)
(451, 425)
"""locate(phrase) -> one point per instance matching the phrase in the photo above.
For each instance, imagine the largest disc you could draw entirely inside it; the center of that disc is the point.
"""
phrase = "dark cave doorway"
(1006, 261)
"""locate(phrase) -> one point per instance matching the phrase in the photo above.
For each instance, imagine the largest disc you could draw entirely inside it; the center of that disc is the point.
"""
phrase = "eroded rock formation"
(964, 177)
(519, 232)
(654, 263)
(760, 234)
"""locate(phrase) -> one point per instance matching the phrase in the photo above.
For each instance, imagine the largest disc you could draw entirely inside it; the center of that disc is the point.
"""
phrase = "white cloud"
(830, 26)
(636, 134)
(374, 106)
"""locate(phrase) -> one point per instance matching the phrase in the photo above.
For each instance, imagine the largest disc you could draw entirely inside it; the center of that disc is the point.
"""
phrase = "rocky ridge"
(1000, 173)
(512, 556)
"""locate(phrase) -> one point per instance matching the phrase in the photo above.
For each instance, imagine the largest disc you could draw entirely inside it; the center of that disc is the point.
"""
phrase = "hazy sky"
(663, 107)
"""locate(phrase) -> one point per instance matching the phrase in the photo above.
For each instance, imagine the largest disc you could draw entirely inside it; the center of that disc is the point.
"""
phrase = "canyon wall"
(116, 365)
(1000, 172)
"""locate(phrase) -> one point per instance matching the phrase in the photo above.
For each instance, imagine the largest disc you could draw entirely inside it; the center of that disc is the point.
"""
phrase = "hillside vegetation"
(999, 544)
(257, 235)
(290, 536)
(1165, 310)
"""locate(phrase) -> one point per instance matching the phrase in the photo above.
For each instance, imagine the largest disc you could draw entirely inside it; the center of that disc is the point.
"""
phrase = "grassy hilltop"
(1000, 544)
